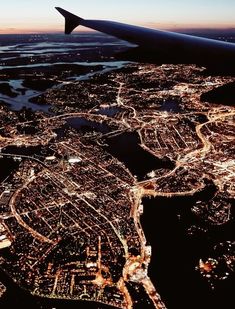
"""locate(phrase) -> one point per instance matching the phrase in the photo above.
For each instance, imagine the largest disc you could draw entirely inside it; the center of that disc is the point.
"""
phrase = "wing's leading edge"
(169, 47)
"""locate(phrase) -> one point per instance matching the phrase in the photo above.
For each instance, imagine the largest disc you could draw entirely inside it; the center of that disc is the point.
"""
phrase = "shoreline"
(146, 251)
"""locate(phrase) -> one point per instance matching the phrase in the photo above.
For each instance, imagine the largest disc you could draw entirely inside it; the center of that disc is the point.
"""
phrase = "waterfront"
(175, 254)
(23, 299)
(126, 148)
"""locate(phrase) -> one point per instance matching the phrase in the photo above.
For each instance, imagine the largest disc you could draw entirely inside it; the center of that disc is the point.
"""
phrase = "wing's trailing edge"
(71, 21)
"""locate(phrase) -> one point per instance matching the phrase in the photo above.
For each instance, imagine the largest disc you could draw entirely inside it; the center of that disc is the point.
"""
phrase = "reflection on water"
(113, 64)
(109, 111)
(35, 51)
(23, 97)
(108, 67)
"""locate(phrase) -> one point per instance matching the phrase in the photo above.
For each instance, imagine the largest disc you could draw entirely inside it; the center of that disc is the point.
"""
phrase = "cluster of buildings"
(71, 219)
(71, 224)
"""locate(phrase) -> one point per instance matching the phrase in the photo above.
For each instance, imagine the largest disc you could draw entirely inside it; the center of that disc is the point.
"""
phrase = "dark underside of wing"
(158, 46)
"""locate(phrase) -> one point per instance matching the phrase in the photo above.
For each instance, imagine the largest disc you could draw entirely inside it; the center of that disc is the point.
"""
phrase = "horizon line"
(175, 29)
(163, 27)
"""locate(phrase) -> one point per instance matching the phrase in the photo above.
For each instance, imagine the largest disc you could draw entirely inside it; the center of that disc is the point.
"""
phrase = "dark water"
(171, 106)
(126, 148)
(84, 125)
(36, 152)
(80, 124)
(175, 255)
(223, 95)
(7, 166)
(24, 151)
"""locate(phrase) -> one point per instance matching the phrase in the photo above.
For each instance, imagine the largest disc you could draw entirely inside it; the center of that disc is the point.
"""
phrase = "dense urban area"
(70, 208)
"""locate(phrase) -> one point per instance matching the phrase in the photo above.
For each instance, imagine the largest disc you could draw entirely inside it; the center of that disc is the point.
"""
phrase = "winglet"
(71, 20)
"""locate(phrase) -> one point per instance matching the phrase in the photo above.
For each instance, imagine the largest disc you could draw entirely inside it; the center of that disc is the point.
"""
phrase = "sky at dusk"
(17, 16)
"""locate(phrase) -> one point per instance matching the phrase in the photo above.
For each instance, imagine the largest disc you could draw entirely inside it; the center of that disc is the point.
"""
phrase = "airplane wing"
(169, 47)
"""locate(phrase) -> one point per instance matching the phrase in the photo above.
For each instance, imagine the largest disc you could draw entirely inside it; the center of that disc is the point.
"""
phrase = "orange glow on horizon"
(162, 26)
